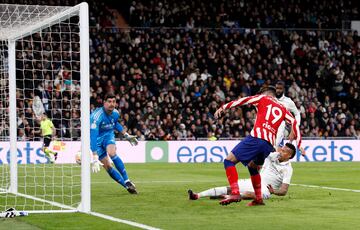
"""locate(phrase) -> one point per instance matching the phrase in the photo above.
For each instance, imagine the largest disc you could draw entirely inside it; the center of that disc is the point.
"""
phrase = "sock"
(116, 176)
(47, 151)
(256, 182)
(232, 176)
(120, 167)
(213, 192)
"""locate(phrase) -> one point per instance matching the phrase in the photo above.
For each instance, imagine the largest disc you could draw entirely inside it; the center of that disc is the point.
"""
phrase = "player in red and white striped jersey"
(253, 150)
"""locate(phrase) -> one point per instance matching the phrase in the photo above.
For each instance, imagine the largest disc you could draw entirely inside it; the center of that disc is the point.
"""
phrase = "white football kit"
(273, 172)
(289, 105)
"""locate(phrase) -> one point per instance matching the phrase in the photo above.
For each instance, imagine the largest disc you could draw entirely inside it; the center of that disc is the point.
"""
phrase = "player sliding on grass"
(102, 139)
(275, 178)
(253, 150)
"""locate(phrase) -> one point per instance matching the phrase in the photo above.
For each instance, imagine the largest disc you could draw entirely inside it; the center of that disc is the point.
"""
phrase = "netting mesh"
(47, 82)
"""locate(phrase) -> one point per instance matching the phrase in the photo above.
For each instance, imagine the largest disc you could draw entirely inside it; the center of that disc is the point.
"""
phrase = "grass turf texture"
(163, 201)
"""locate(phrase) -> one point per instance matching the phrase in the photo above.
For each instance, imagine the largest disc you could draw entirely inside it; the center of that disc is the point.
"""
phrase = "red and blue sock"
(256, 182)
(232, 176)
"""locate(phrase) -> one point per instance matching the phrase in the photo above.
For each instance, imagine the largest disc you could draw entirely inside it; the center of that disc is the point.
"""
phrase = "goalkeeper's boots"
(230, 199)
(256, 202)
(131, 187)
(192, 195)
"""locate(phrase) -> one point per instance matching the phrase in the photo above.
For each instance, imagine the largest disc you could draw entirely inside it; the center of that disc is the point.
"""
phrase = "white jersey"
(289, 105)
(273, 172)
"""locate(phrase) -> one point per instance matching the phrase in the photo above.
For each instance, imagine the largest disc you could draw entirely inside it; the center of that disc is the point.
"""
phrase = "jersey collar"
(282, 97)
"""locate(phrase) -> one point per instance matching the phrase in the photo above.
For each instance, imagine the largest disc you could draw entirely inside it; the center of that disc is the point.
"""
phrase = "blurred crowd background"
(171, 64)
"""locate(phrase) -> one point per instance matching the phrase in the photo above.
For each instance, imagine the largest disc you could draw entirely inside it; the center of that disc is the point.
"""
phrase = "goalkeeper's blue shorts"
(102, 142)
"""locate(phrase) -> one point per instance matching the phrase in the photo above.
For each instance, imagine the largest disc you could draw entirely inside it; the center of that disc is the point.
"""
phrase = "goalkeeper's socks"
(120, 166)
(116, 176)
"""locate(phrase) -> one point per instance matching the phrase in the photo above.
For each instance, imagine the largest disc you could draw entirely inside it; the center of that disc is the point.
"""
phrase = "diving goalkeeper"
(103, 122)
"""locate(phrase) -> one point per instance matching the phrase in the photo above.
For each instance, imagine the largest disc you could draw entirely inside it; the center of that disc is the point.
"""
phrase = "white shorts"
(245, 185)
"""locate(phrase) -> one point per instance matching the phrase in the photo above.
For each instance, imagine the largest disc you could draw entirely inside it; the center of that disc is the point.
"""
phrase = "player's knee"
(107, 167)
(231, 157)
(228, 163)
(106, 164)
(112, 154)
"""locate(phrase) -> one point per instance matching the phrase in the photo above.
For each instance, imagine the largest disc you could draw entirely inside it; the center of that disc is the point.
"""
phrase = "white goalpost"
(44, 69)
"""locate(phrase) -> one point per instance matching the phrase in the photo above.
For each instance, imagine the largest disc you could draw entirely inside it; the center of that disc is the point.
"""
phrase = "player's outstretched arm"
(253, 100)
(130, 138)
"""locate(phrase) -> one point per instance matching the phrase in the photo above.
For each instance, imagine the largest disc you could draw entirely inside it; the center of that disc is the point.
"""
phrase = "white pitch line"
(135, 224)
(165, 181)
(325, 187)
(213, 181)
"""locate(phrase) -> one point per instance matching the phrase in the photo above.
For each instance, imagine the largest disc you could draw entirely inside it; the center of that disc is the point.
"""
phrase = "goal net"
(44, 70)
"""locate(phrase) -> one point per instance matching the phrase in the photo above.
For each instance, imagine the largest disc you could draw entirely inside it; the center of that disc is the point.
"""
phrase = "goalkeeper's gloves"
(95, 164)
(131, 138)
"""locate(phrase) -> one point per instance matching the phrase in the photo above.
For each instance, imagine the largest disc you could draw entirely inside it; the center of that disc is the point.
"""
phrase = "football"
(78, 158)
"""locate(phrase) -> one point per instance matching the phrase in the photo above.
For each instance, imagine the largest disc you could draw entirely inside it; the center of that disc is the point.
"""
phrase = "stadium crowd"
(169, 81)
(243, 13)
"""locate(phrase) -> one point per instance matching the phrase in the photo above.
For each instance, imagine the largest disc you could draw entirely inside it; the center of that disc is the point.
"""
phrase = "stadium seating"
(169, 81)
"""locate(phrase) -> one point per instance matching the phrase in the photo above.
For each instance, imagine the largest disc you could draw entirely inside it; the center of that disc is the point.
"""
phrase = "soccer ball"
(78, 158)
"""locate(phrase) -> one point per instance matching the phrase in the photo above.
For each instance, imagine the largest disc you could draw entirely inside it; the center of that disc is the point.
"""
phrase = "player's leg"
(256, 183)
(119, 164)
(263, 150)
(231, 173)
(244, 152)
(47, 151)
(113, 173)
(212, 192)
(111, 150)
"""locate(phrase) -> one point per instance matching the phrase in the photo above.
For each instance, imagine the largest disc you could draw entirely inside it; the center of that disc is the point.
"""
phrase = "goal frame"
(82, 10)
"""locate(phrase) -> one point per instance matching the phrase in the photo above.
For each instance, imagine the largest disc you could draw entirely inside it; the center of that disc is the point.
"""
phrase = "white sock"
(213, 192)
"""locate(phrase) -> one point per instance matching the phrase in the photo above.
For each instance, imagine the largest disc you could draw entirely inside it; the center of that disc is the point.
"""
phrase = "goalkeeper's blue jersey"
(102, 126)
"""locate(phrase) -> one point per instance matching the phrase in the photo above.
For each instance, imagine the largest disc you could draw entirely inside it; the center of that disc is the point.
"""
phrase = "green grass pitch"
(162, 201)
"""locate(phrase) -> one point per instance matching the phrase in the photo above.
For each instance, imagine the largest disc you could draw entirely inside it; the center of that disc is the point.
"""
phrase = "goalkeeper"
(103, 121)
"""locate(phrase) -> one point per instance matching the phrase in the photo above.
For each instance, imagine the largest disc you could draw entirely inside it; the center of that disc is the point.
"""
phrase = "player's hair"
(269, 89)
(280, 82)
(292, 147)
(109, 96)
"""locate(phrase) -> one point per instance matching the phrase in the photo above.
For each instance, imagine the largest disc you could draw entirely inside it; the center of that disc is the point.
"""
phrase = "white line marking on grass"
(135, 224)
(325, 187)
(165, 181)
